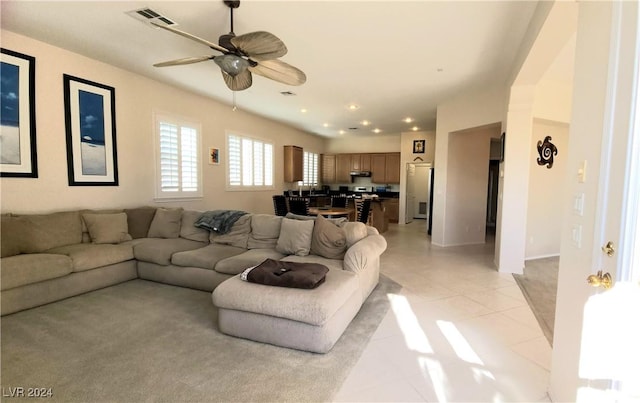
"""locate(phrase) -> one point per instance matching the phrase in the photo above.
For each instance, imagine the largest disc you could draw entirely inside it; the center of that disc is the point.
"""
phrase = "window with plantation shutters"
(178, 166)
(309, 169)
(250, 163)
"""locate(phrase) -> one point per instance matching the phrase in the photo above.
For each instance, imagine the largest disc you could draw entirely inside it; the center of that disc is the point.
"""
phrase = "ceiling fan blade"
(186, 60)
(238, 83)
(192, 37)
(279, 71)
(260, 45)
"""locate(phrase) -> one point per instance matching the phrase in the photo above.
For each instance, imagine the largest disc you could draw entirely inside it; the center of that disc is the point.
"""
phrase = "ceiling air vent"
(147, 15)
(288, 93)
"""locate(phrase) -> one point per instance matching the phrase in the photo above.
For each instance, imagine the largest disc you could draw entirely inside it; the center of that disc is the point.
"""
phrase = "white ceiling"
(394, 59)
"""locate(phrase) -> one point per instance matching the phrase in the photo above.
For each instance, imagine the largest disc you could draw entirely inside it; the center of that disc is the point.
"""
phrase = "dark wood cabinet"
(343, 168)
(328, 162)
(392, 207)
(392, 168)
(293, 164)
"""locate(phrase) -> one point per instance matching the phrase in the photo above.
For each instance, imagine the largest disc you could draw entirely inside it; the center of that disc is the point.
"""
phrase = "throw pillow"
(11, 235)
(237, 236)
(107, 228)
(139, 220)
(166, 223)
(295, 237)
(265, 230)
(354, 231)
(328, 240)
(336, 221)
(188, 230)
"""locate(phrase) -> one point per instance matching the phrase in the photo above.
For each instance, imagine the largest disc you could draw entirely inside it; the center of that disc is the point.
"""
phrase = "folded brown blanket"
(287, 274)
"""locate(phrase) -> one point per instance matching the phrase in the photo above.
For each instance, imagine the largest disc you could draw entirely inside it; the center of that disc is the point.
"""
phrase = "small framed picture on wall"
(418, 146)
(214, 156)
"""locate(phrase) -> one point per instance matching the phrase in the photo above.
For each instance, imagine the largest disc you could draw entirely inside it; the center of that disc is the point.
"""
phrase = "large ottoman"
(309, 320)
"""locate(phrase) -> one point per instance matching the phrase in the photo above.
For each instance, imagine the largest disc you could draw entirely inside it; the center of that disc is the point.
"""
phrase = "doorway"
(418, 205)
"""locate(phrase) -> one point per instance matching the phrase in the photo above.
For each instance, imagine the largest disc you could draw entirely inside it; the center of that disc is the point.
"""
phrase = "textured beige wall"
(137, 98)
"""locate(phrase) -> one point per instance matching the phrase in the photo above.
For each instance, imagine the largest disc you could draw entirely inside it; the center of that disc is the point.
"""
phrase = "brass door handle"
(600, 280)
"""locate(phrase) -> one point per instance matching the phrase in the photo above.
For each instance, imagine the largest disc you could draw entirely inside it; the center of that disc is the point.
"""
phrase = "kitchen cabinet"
(361, 162)
(328, 162)
(385, 168)
(378, 165)
(392, 208)
(293, 164)
(343, 168)
(392, 168)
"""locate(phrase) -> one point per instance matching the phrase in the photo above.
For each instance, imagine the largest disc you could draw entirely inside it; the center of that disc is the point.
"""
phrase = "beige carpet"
(539, 284)
(144, 341)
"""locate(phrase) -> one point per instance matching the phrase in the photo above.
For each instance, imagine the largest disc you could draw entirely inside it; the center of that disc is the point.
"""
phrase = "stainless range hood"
(360, 173)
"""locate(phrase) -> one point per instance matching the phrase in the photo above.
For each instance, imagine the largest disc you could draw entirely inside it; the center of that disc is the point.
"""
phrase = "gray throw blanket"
(219, 221)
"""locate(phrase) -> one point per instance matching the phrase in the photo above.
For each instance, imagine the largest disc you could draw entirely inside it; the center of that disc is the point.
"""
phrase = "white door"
(596, 356)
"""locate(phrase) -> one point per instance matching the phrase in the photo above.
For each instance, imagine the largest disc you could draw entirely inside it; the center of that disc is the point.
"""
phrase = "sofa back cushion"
(265, 230)
(188, 230)
(238, 236)
(139, 220)
(166, 223)
(46, 231)
(11, 235)
(328, 240)
(295, 237)
(107, 228)
(354, 231)
(86, 237)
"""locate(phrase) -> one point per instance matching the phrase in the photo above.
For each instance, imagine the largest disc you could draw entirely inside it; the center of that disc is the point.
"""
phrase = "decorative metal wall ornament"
(546, 150)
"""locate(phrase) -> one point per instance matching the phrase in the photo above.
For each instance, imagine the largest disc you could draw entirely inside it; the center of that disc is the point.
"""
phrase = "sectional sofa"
(48, 257)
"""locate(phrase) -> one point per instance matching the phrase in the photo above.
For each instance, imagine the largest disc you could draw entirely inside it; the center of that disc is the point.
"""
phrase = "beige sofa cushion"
(20, 270)
(189, 231)
(107, 228)
(238, 236)
(253, 257)
(265, 230)
(205, 257)
(11, 235)
(139, 221)
(314, 306)
(43, 232)
(328, 240)
(354, 231)
(166, 223)
(159, 250)
(295, 237)
(91, 256)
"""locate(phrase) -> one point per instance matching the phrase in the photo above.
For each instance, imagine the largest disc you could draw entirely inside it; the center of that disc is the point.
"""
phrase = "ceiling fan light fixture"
(231, 64)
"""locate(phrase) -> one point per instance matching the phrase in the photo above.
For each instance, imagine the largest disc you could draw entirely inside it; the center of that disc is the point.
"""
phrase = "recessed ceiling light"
(365, 123)
(376, 130)
(353, 107)
(341, 132)
(325, 124)
(407, 120)
(303, 110)
(415, 128)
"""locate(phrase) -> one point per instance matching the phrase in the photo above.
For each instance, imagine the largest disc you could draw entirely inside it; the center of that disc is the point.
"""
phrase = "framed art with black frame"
(18, 154)
(418, 146)
(90, 118)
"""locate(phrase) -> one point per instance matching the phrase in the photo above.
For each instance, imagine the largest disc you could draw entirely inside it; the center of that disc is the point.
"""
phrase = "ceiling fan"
(255, 52)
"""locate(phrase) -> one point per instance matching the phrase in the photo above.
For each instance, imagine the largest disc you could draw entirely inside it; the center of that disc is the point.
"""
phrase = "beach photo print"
(18, 157)
(91, 133)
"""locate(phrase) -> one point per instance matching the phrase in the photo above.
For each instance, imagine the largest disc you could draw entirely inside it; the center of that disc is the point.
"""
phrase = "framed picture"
(18, 154)
(418, 146)
(90, 117)
(214, 156)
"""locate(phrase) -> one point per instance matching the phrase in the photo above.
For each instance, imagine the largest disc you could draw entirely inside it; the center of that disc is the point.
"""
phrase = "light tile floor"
(458, 330)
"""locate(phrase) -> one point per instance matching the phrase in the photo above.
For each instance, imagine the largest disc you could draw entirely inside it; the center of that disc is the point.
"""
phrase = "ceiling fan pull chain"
(234, 101)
